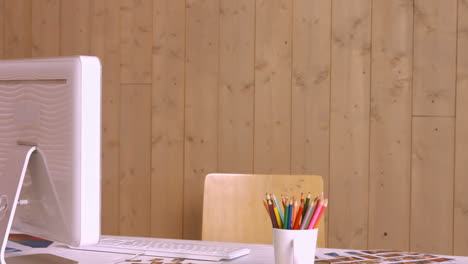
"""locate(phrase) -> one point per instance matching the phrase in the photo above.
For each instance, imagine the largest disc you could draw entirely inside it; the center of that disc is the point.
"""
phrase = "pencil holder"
(294, 246)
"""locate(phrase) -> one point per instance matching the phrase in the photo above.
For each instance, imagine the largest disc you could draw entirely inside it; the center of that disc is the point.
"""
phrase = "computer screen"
(50, 148)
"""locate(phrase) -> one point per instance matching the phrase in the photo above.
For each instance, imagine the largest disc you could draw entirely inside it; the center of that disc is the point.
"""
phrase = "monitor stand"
(10, 189)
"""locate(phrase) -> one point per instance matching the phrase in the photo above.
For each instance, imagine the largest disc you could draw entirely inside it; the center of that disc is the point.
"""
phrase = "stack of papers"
(379, 256)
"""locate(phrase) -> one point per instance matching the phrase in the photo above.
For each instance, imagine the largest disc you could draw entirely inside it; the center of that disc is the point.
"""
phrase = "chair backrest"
(233, 210)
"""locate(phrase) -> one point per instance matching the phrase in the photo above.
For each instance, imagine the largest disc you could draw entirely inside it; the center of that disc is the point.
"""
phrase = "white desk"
(260, 254)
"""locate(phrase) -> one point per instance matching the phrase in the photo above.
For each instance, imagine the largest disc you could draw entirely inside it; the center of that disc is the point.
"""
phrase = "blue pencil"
(289, 214)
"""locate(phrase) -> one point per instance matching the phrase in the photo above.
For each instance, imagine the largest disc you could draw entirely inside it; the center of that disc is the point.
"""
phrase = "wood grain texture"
(225, 216)
(75, 32)
(17, 29)
(273, 56)
(46, 28)
(2, 28)
(349, 125)
(167, 170)
(236, 85)
(198, 120)
(310, 117)
(310, 126)
(135, 160)
(390, 117)
(136, 41)
(432, 185)
(105, 43)
(435, 25)
(460, 246)
(201, 107)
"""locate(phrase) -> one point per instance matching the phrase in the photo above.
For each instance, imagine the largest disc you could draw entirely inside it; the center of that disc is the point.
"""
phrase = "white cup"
(294, 246)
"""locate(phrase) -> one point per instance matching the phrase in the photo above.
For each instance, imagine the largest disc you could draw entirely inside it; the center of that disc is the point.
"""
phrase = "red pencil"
(298, 217)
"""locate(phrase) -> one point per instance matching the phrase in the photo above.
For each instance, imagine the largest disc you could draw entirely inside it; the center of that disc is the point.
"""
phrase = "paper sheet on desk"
(378, 257)
(158, 260)
(127, 259)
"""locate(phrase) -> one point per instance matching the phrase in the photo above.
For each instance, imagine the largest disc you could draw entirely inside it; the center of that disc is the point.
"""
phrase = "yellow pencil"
(280, 223)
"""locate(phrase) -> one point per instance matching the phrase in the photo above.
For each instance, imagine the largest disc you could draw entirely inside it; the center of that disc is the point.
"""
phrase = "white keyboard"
(188, 249)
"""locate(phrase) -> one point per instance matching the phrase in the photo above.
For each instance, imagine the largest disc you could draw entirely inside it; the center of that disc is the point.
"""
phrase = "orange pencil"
(266, 205)
(295, 210)
(324, 206)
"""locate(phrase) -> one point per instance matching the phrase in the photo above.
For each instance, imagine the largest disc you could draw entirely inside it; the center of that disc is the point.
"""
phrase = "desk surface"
(260, 254)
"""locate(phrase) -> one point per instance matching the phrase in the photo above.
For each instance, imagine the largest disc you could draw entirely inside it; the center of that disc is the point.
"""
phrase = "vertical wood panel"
(201, 102)
(272, 147)
(432, 185)
(461, 147)
(17, 29)
(310, 127)
(135, 160)
(136, 41)
(2, 27)
(45, 28)
(435, 23)
(349, 127)
(75, 31)
(390, 117)
(168, 118)
(236, 84)
(311, 88)
(105, 43)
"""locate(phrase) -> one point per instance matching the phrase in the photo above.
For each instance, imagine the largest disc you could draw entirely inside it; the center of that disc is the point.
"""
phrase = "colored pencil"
(317, 210)
(280, 211)
(306, 206)
(307, 215)
(272, 214)
(324, 207)
(298, 217)
(295, 210)
(265, 203)
(312, 205)
(286, 214)
(278, 219)
(295, 214)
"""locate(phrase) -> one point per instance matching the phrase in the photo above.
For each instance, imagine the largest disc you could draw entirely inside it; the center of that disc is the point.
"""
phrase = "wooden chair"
(233, 210)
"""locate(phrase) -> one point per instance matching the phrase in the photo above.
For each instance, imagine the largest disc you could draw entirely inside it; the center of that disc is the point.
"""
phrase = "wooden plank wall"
(390, 124)
(368, 93)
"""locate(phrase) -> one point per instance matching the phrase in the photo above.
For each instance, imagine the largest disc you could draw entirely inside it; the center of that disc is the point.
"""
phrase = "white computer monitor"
(50, 149)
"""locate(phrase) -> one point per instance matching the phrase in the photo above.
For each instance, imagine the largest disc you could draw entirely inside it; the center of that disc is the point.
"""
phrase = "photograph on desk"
(383, 256)
(29, 241)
